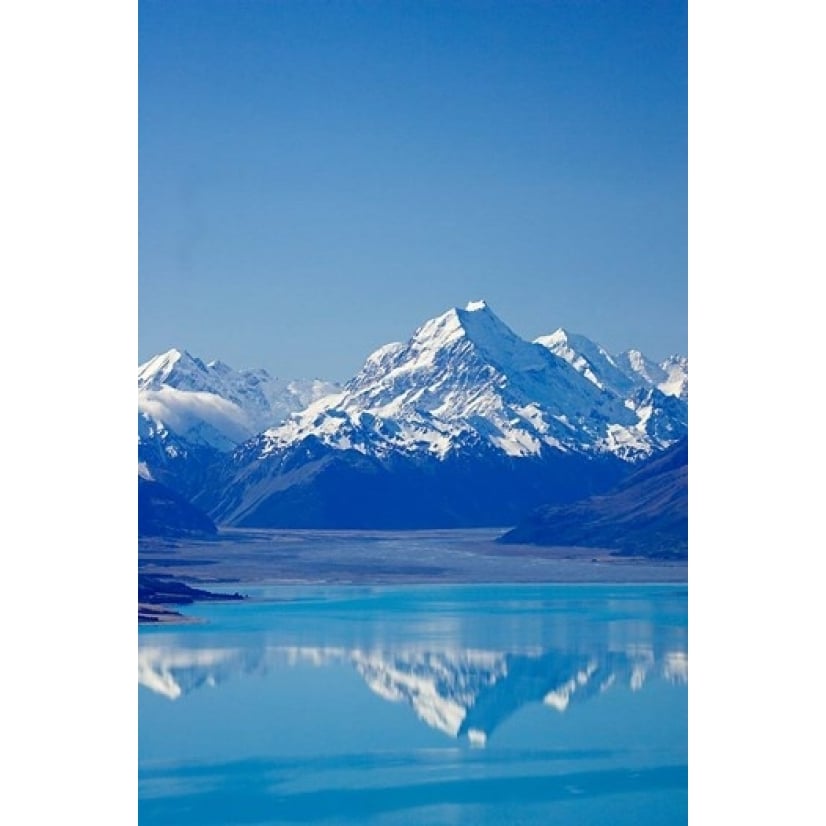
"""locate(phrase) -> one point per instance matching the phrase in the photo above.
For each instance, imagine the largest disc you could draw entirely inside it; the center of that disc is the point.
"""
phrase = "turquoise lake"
(436, 704)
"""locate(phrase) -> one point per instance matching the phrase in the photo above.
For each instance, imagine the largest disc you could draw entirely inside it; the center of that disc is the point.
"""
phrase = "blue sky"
(316, 179)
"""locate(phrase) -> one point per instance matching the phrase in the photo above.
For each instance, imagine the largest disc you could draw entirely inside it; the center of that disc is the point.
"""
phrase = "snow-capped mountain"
(594, 362)
(622, 374)
(670, 376)
(466, 378)
(676, 381)
(215, 403)
(191, 412)
(466, 423)
(657, 393)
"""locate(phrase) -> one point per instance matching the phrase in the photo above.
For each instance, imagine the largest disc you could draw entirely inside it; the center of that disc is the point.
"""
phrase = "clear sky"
(317, 179)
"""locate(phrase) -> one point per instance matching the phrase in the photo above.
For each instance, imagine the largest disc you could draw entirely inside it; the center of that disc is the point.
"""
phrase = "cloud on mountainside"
(183, 410)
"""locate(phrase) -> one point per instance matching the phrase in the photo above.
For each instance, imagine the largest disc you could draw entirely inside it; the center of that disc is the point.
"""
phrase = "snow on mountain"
(639, 367)
(431, 432)
(670, 376)
(200, 417)
(465, 380)
(657, 393)
(590, 359)
(622, 374)
(212, 404)
(676, 381)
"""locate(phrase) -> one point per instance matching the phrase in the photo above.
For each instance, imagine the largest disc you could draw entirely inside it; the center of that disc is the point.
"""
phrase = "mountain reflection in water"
(461, 692)
(305, 704)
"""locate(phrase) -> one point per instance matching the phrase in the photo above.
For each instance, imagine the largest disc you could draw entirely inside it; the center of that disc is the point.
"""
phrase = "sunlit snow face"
(212, 403)
(465, 379)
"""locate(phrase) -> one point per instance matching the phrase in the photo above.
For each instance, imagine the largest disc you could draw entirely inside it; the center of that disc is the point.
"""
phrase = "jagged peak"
(476, 321)
(557, 337)
(566, 343)
(160, 367)
(576, 341)
(168, 357)
(641, 365)
(560, 334)
(171, 357)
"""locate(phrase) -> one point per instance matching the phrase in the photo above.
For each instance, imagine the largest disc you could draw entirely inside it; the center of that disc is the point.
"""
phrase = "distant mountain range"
(464, 424)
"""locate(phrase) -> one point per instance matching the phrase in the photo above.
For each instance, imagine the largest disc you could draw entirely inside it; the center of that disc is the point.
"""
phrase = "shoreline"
(156, 592)
(181, 571)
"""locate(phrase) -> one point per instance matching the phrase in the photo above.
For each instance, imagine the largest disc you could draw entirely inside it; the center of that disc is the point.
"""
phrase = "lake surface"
(443, 704)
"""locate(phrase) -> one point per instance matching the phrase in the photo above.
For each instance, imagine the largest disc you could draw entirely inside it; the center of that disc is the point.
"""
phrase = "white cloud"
(184, 411)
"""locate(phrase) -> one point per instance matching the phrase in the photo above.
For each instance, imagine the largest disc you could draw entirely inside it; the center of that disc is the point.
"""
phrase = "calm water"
(417, 705)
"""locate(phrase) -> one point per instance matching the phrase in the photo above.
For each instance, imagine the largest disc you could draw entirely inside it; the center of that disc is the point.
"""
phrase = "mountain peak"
(171, 356)
(635, 362)
(440, 330)
(557, 337)
(174, 355)
(561, 337)
(212, 404)
(158, 369)
(476, 323)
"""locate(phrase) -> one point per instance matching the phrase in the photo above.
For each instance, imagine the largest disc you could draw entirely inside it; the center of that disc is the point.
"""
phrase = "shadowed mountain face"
(645, 515)
(162, 512)
(312, 485)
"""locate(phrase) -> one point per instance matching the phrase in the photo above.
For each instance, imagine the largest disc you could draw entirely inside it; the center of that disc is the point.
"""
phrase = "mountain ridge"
(464, 423)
